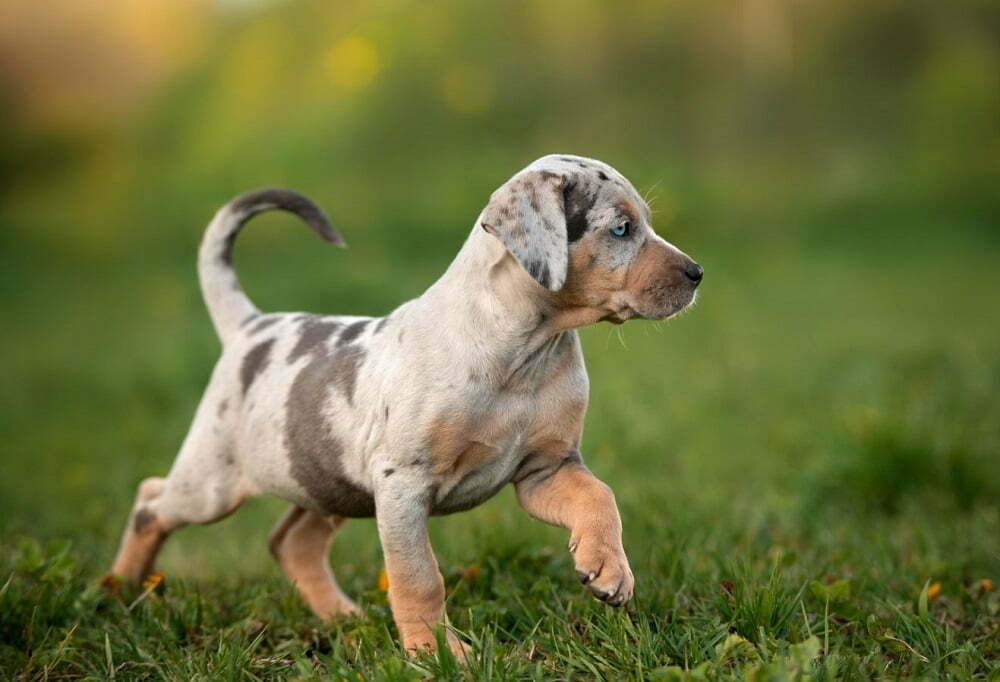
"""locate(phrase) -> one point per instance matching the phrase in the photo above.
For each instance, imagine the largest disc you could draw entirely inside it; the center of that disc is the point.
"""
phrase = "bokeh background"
(835, 167)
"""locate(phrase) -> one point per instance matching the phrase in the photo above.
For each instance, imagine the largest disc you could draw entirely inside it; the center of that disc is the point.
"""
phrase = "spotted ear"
(528, 215)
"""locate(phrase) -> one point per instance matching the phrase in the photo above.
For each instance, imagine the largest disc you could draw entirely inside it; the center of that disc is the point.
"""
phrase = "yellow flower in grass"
(153, 582)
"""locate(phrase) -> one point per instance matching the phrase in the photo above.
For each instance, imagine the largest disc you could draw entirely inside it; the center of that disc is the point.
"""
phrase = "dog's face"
(581, 230)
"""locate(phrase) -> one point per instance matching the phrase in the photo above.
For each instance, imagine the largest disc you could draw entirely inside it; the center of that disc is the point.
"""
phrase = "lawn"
(805, 464)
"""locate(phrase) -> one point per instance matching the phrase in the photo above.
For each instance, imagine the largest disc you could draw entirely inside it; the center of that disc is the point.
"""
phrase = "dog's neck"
(497, 310)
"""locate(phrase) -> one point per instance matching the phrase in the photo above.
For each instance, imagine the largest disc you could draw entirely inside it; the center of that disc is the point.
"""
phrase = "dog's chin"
(662, 311)
(620, 316)
(656, 311)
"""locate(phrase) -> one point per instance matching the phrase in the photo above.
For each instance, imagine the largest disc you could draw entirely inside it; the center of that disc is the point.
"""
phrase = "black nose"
(694, 272)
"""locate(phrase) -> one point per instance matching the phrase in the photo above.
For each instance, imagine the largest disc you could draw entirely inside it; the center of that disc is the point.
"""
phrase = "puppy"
(478, 383)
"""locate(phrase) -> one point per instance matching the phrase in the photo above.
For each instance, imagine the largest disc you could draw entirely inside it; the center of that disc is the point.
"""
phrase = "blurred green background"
(835, 167)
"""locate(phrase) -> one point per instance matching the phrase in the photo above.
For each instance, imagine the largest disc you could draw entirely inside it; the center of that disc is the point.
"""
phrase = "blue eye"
(622, 230)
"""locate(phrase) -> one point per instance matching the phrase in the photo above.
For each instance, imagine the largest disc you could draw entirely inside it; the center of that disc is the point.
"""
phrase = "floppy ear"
(528, 214)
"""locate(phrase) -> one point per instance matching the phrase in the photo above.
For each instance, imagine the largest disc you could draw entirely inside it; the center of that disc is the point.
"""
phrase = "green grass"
(806, 463)
(795, 460)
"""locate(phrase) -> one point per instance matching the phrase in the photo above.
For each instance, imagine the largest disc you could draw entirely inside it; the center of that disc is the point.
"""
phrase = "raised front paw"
(604, 569)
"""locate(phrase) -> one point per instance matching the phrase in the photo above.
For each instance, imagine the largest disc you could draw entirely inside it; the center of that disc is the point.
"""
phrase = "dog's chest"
(475, 452)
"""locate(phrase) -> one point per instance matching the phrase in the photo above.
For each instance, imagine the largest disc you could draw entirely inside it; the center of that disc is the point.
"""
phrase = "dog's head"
(581, 230)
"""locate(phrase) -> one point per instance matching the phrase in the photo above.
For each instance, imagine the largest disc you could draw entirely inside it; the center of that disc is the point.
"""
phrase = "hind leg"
(203, 486)
(301, 544)
(161, 507)
(143, 537)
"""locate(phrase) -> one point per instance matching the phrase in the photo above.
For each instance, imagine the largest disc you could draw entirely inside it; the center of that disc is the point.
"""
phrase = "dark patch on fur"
(346, 363)
(533, 199)
(381, 325)
(265, 323)
(248, 319)
(314, 450)
(223, 406)
(601, 174)
(388, 472)
(259, 200)
(226, 254)
(387, 413)
(352, 332)
(143, 517)
(313, 333)
(254, 363)
(539, 270)
(576, 204)
(250, 204)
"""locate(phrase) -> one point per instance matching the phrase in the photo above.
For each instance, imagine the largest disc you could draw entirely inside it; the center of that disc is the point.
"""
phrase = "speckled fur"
(432, 409)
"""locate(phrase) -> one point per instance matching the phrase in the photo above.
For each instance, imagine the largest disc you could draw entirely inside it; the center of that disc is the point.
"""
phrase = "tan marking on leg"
(143, 537)
(301, 544)
(416, 588)
(417, 603)
(571, 497)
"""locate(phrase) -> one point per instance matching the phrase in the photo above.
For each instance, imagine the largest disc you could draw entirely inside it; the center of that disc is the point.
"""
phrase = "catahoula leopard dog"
(430, 410)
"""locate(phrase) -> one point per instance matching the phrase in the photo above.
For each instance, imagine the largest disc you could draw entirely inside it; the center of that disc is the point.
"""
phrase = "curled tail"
(227, 303)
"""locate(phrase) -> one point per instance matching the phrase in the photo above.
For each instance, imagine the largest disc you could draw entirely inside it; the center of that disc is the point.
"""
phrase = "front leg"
(416, 588)
(558, 489)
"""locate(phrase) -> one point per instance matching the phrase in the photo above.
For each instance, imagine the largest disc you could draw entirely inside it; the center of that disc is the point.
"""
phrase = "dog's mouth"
(664, 311)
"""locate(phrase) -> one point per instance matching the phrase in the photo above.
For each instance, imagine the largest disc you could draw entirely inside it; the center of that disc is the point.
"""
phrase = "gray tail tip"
(288, 200)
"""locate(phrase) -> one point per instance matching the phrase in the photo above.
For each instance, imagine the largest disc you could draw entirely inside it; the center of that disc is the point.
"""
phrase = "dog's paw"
(427, 642)
(604, 569)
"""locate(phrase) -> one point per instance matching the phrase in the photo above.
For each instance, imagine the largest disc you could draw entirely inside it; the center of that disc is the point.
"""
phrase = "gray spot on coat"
(314, 332)
(314, 450)
(223, 406)
(352, 332)
(381, 324)
(577, 204)
(345, 365)
(254, 363)
(265, 323)
(539, 270)
(143, 517)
